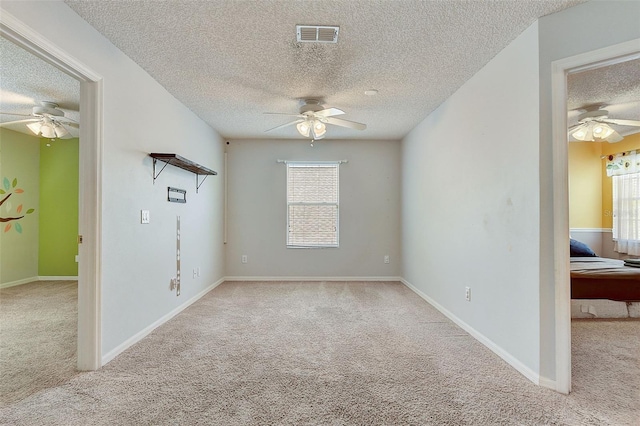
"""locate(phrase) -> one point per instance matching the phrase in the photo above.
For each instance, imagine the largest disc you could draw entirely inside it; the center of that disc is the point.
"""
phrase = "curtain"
(626, 213)
(623, 163)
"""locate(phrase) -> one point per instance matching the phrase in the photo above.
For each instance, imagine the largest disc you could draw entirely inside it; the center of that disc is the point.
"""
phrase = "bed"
(601, 278)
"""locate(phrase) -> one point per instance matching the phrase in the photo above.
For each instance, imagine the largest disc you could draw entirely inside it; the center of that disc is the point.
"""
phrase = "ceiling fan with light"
(48, 121)
(594, 126)
(313, 117)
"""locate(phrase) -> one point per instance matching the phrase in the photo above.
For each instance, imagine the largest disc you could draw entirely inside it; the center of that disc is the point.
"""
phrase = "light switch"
(144, 216)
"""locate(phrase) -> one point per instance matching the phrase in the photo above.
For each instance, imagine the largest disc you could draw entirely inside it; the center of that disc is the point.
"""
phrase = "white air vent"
(317, 33)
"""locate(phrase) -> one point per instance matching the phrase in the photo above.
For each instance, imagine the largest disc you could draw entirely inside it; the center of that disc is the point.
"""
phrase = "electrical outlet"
(195, 272)
(386, 259)
(245, 259)
(467, 294)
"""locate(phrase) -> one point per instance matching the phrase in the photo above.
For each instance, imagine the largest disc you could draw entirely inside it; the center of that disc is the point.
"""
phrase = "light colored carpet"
(38, 328)
(335, 353)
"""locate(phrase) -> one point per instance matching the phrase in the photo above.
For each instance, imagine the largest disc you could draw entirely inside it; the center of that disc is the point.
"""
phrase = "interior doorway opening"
(560, 70)
(90, 184)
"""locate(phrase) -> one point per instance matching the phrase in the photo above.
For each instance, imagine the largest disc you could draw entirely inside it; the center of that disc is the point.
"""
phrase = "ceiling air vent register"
(317, 33)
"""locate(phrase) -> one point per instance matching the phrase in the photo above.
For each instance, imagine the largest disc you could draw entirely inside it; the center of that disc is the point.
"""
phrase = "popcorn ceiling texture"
(230, 61)
(617, 86)
(25, 80)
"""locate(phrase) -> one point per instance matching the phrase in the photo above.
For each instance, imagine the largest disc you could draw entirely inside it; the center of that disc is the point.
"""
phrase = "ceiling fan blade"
(284, 113)
(345, 123)
(620, 122)
(71, 128)
(64, 120)
(329, 112)
(19, 115)
(574, 127)
(285, 125)
(28, 120)
(614, 137)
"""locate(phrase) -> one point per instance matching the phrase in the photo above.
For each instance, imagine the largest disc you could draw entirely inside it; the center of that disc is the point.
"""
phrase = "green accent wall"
(19, 159)
(58, 207)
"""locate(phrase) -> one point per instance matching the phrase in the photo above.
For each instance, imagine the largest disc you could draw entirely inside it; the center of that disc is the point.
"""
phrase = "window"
(312, 204)
(626, 213)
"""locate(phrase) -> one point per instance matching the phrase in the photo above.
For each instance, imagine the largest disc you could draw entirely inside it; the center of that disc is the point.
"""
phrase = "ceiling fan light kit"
(313, 118)
(48, 121)
(593, 126)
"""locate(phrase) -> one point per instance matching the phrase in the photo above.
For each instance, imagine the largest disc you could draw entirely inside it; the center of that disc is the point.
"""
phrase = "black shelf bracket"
(182, 163)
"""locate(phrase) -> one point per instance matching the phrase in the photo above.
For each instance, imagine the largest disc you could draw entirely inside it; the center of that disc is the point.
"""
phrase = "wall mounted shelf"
(182, 163)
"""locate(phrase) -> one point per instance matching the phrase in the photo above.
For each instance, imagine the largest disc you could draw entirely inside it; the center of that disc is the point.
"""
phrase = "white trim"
(231, 278)
(590, 230)
(90, 178)
(548, 383)
(57, 278)
(559, 69)
(147, 330)
(19, 282)
(507, 357)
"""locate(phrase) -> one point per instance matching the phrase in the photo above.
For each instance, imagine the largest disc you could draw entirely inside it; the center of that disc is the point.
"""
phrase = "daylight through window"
(312, 204)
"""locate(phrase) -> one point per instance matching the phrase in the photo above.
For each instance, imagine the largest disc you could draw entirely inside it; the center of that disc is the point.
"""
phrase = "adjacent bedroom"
(604, 188)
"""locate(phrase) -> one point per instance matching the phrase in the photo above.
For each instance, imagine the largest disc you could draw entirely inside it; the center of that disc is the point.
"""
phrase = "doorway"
(90, 184)
(560, 69)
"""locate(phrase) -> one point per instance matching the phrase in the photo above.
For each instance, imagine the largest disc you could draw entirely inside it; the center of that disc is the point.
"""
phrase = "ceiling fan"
(48, 121)
(593, 126)
(313, 118)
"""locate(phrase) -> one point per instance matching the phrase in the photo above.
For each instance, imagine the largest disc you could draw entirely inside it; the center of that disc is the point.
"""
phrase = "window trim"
(337, 203)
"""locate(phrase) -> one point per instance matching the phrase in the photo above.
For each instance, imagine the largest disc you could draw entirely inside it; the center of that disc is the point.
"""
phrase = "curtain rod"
(312, 162)
(618, 153)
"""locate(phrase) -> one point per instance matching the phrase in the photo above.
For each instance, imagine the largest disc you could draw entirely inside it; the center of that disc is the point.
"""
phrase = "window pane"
(313, 225)
(312, 205)
(313, 184)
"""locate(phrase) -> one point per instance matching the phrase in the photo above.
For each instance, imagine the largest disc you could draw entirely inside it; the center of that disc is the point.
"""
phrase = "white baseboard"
(547, 383)
(507, 357)
(19, 282)
(145, 332)
(58, 278)
(312, 278)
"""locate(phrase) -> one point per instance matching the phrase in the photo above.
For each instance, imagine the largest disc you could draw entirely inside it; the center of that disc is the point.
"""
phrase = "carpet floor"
(335, 353)
(38, 337)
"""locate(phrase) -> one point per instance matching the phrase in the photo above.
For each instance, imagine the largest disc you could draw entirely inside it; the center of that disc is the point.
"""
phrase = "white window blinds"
(312, 204)
(626, 213)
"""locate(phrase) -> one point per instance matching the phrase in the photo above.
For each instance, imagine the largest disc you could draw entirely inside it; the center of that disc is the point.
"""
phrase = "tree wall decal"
(10, 188)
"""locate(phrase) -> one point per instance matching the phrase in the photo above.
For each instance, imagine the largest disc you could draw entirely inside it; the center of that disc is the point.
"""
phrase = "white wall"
(470, 207)
(140, 117)
(369, 209)
(562, 35)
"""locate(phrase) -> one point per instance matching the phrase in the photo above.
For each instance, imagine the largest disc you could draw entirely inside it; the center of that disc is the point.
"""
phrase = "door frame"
(90, 183)
(559, 70)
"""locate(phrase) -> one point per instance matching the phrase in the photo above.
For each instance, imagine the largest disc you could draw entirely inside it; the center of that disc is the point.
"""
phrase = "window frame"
(336, 164)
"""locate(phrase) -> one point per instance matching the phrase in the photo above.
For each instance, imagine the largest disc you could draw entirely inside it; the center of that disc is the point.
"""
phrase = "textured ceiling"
(230, 61)
(25, 80)
(616, 87)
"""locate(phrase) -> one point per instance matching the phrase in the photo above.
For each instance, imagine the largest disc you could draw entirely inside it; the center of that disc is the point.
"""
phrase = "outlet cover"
(386, 259)
(245, 259)
(144, 216)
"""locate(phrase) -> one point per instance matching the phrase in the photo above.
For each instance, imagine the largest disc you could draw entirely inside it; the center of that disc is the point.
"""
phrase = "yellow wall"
(585, 185)
(590, 203)
(627, 144)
